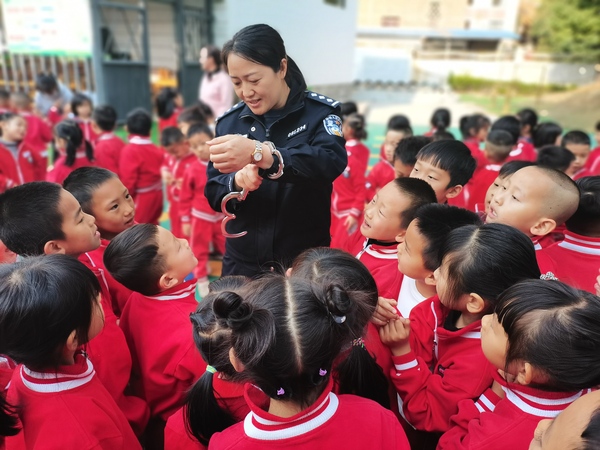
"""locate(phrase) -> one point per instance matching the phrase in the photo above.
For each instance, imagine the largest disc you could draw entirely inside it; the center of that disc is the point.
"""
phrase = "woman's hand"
(232, 152)
(248, 178)
(384, 311)
(395, 334)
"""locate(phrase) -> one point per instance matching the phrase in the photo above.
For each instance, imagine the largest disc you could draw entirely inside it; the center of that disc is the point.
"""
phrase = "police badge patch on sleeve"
(333, 125)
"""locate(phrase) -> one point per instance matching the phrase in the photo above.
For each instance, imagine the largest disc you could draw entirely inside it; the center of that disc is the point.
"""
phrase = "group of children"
(459, 311)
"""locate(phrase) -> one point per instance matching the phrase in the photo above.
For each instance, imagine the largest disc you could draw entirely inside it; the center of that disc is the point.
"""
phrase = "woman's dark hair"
(46, 83)
(192, 114)
(510, 124)
(486, 260)
(132, 259)
(555, 157)
(528, 116)
(69, 131)
(546, 134)
(203, 415)
(591, 434)
(78, 100)
(214, 53)
(165, 102)
(42, 300)
(357, 123)
(83, 182)
(9, 422)
(586, 220)
(440, 119)
(262, 44)
(288, 331)
(556, 329)
(105, 117)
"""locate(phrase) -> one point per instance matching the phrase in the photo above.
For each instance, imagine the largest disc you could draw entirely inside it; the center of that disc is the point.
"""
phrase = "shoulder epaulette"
(230, 110)
(322, 99)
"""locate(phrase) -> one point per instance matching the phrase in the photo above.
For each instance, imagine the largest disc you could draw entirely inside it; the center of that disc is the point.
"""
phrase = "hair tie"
(211, 369)
(339, 319)
(548, 276)
(359, 342)
(322, 372)
(280, 392)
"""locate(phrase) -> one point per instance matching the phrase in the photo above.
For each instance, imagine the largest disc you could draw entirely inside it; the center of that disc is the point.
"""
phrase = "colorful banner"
(48, 27)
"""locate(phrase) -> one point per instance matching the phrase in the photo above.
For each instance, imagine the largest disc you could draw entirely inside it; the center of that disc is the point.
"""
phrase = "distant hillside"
(579, 108)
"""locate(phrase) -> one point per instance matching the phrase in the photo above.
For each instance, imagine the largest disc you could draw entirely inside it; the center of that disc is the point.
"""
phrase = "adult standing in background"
(215, 87)
(52, 98)
(282, 144)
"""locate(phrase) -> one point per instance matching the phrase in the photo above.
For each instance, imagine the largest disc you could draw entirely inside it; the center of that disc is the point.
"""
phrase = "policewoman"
(282, 144)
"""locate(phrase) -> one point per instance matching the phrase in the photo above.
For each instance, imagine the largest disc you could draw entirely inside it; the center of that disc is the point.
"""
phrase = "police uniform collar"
(294, 102)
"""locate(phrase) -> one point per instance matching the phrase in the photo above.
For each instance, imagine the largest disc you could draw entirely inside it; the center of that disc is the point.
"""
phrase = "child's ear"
(400, 236)
(288, 273)
(475, 304)
(527, 374)
(454, 191)
(430, 279)
(71, 345)
(54, 248)
(235, 362)
(543, 227)
(167, 281)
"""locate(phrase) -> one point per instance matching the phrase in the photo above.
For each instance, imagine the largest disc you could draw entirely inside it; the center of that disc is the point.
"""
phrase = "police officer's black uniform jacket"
(285, 216)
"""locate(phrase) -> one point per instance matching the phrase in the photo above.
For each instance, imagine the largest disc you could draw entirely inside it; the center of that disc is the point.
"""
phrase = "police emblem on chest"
(297, 131)
(333, 125)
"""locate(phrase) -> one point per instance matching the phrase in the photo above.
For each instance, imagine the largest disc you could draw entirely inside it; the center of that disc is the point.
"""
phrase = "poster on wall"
(48, 27)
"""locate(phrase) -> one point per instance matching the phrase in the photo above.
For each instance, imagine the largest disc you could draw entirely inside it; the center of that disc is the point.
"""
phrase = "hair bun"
(231, 307)
(338, 302)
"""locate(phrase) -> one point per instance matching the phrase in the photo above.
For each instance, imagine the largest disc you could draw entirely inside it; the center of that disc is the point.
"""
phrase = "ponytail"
(8, 419)
(294, 77)
(69, 131)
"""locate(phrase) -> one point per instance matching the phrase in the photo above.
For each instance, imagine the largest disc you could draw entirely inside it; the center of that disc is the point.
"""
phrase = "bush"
(467, 83)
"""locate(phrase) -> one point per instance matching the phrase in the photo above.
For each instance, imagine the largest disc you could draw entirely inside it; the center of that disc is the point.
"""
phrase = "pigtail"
(203, 416)
(9, 422)
(338, 303)
(89, 150)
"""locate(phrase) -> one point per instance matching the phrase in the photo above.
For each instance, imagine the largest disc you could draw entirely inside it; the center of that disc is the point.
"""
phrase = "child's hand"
(384, 311)
(395, 335)
(186, 229)
(350, 224)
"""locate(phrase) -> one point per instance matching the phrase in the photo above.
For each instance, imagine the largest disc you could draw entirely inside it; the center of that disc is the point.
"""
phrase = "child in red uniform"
(474, 130)
(71, 151)
(555, 157)
(382, 172)
(139, 168)
(405, 154)
(42, 218)
(199, 221)
(19, 163)
(179, 158)
(578, 143)
(216, 401)
(497, 148)
(62, 403)
(81, 108)
(505, 172)
(522, 150)
(437, 352)
(547, 133)
(107, 150)
(154, 264)
(440, 121)
(529, 120)
(577, 258)
(535, 200)
(102, 195)
(286, 333)
(39, 132)
(348, 196)
(169, 104)
(531, 320)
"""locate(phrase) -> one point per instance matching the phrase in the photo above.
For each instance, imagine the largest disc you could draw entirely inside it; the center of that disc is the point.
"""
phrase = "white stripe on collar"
(383, 253)
(293, 431)
(530, 409)
(537, 246)
(139, 140)
(106, 136)
(60, 386)
(183, 293)
(579, 248)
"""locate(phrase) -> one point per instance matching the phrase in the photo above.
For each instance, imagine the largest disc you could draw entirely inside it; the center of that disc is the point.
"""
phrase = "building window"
(340, 3)
(390, 21)
(434, 10)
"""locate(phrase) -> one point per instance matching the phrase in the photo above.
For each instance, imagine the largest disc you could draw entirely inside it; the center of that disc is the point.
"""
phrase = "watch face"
(258, 156)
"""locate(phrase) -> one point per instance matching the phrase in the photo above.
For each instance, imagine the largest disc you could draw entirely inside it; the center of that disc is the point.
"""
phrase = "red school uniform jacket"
(61, 171)
(382, 261)
(170, 121)
(477, 153)
(27, 167)
(523, 151)
(86, 128)
(333, 421)
(576, 260)
(39, 133)
(582, 173)
(139, 169)
(107, 151)
(480, 183)
(177, 168)
(380, 175)
(492, 423)
(67, 408)
(442, 368)
(165, 360)
(192, 201)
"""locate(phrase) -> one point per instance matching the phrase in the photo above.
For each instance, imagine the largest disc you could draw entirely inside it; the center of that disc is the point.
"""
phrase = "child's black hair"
(452, 156)
(528, 116)
(192, 115)
(555, 157)
(46, 83)
(9, 422)
(357, 123)
(171, 136)
(203, 416)
(546, 133)
(139, 122)
(435, 222)
(576, 137)
(541, 316)
(487, 259)
(70, 131)
(472, 124)
(591, 433)
(205, 109)
(105, 117)
(586, 220)
(165, 102)
(440, 119)
(21, 100)
(407, 149)
(442, 135)
(399, 122)
(498, 145)
(197, 128)
(510, 124)
(8, 116)
(42, 300)
(347, 108)
(511, 167)
(30, 217)
(78, 100)
(419, 192)
(132, 259)
(83, 182)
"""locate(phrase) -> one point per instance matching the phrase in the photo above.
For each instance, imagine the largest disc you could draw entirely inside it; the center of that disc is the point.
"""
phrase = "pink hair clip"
(322, 372)
(280, 392)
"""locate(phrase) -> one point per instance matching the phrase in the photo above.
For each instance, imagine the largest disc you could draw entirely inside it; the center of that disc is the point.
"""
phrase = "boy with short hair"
(178, 159)
(498, 145)
(522, 150)
(40, 218)
(579, 143)
(577, 258)
(447, 166)
(153, 263)
(39, 133)
(108, 146)
(405, 154)
(555, 157)
(140, 167)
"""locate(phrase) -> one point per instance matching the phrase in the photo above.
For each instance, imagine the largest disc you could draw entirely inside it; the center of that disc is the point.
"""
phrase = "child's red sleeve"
(186, 195)
(359, 187)
(128, 169)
